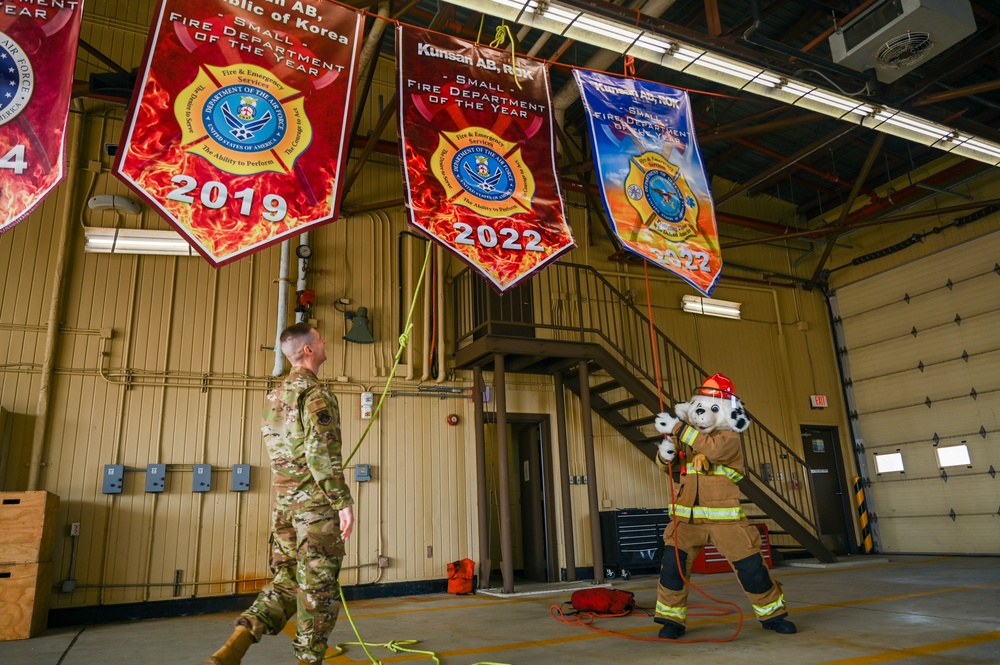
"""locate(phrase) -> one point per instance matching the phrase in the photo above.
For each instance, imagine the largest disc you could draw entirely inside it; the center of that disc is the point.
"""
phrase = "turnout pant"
(306, 554)
(740, 543)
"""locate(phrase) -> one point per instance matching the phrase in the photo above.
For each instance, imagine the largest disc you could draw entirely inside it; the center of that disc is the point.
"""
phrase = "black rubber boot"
(780, 625)
(671, 630)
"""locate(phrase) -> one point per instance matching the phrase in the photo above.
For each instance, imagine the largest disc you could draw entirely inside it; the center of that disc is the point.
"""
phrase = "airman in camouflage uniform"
(312, 509)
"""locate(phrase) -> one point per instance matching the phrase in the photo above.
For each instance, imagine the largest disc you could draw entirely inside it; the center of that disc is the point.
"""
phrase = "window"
(954, 456)
(889, 463)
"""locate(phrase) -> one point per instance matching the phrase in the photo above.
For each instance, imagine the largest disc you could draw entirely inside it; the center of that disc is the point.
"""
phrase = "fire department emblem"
(17, 79)
(482, 172)
(243, 120)
(658, 192)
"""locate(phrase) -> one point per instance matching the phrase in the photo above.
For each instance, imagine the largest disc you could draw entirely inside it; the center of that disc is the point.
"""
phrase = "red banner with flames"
(238, 126)
(37, 55)
(479, 159)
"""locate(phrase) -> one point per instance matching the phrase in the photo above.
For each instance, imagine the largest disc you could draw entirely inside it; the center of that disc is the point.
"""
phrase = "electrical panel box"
(241, 478)
(363, 473)
(202, 478)
(114, 478)
(156, 477)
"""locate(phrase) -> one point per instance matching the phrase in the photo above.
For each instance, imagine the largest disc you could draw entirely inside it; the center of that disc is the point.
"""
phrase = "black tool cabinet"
(632, 540)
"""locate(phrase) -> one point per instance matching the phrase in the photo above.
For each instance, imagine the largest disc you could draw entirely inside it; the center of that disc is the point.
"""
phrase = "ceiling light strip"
(673, 54)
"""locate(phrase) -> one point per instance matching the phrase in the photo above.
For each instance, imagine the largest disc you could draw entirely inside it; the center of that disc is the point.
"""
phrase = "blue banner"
(651, 174)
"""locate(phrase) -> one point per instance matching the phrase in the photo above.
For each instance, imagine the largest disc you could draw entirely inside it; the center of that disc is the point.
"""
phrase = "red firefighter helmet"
(717, 385)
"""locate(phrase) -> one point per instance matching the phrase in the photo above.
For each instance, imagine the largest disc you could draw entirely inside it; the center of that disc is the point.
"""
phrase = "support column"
(506, 545)
(482, 497)
(588, 445)
(567, 506)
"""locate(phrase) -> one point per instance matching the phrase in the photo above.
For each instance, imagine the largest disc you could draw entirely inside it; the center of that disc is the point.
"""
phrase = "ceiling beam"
(838, 227)
(814, 233)
(956, 93)
(788, 163)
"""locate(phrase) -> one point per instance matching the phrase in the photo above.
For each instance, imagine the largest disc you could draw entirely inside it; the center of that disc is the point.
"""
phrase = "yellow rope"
(502, 35)
(404, 341)
(395, 646)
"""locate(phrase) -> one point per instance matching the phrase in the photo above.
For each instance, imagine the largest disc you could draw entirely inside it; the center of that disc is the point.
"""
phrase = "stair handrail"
(673, 388)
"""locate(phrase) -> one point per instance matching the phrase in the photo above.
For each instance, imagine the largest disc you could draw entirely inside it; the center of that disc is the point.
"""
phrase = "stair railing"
(575, 303)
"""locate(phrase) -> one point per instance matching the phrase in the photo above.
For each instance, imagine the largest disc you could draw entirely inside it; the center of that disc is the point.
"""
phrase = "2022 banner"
(652, 178)
(479, 160)
(37, 54)
(238, 127)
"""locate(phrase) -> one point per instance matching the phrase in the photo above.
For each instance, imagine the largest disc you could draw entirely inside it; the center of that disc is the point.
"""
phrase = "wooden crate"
(29, 526)
(25, 592)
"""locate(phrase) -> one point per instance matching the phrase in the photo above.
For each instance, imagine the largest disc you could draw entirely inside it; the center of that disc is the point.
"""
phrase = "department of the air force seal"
(17, 80)
(481, 171)
(658, 192)
(237, 119)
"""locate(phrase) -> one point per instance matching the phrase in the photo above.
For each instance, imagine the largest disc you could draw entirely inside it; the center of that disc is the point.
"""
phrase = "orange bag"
(460, 576)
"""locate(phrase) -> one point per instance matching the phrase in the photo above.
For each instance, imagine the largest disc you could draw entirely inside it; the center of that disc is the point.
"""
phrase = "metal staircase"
(569, 314)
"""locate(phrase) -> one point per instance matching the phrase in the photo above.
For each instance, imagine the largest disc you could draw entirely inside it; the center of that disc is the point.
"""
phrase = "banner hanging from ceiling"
(652, 178)
(237, 133)
(37, 54)
(478, 154)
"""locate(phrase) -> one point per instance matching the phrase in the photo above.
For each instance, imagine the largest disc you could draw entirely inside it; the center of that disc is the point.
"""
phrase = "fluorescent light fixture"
(135, 241)
(953, 456)
(711, 307)
(621, 36)
(889, 463)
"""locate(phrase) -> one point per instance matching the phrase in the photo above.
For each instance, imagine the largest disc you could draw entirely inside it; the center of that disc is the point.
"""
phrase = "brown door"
(529, 468)
(821, 447)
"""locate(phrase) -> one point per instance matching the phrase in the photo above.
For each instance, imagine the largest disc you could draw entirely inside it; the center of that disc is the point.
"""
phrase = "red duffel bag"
(460, 576)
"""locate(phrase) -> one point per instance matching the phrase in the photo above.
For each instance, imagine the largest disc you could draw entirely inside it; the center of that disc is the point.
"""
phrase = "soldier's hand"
(346, 522)
(701, 463)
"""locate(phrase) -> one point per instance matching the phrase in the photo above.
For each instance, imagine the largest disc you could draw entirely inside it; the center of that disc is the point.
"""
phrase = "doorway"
(821, 451)
(532, 497)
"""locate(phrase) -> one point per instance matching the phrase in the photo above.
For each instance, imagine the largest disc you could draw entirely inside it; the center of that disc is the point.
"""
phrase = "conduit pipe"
(368, 51)
(439, 317)
(425, 361)
(55, 307)
(279, 357)
(407, 279)
(301, 284)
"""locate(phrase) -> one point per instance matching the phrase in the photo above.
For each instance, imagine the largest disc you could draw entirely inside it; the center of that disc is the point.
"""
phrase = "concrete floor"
(911, 610)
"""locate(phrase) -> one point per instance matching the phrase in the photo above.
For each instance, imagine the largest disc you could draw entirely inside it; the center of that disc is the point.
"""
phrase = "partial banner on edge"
(479, 156)
(238, 129)
(37, 56)
(651, 174)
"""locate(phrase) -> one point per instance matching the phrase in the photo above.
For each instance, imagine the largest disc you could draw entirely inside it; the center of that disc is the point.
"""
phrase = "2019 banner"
(652, 178)
(479, 160)
(238, 127)
(37, 54)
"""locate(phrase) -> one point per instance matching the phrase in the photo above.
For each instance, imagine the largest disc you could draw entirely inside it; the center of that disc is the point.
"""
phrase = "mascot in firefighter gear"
(705, 437)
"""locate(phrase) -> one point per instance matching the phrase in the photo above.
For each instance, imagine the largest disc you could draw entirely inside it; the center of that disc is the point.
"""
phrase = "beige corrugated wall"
(161, 359)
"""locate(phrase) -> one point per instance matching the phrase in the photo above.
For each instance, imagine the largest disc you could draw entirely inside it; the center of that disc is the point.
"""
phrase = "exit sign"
(818, 401)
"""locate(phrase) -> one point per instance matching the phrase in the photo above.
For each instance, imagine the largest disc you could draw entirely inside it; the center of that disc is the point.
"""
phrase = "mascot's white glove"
(667, 450)
(665, 423)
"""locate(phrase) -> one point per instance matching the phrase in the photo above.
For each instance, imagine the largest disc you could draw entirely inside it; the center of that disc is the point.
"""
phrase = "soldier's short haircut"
(293, 338)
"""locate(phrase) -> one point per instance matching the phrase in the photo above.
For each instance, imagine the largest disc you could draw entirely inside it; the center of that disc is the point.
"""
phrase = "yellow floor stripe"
(711, 621)
(289, 628)
(925, 650)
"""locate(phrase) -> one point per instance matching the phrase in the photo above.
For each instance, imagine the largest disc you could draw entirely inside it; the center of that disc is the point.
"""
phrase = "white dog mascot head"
(714, 406)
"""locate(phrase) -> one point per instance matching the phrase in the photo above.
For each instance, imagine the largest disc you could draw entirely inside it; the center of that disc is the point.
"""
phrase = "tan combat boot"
(234, 649)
